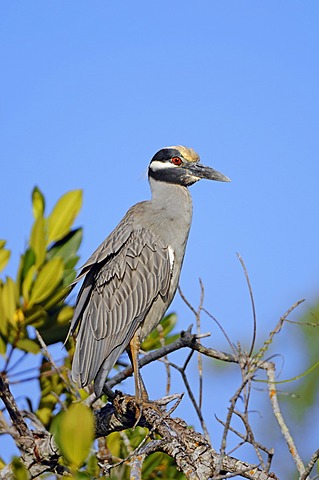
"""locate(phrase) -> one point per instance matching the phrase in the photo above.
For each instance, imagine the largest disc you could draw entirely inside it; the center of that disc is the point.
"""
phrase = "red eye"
(177, 160)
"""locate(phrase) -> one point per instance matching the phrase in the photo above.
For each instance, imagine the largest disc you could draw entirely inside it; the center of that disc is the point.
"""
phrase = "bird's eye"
(177, 160)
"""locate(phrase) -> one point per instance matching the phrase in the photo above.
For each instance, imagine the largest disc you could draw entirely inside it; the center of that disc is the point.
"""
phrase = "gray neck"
(172, 209)
(175, 198)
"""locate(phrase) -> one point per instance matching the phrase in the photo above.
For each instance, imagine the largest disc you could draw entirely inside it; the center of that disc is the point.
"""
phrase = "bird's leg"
(140, 390)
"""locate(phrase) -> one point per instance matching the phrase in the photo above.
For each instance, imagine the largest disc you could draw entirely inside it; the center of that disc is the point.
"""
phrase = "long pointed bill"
(201, 171)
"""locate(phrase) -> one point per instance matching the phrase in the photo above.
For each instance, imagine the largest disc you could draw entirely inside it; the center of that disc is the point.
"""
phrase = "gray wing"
(121, 283)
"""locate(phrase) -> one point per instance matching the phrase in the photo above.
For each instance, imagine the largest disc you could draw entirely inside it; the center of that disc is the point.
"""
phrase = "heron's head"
(180, 165)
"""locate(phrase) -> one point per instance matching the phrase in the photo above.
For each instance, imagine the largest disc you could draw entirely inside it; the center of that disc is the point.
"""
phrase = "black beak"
(201, 171)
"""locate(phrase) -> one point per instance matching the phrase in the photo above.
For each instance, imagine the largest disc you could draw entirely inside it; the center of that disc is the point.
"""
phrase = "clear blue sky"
(91, 90)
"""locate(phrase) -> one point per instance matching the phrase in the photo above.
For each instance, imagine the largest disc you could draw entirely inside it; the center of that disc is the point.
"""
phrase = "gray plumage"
(131, 279)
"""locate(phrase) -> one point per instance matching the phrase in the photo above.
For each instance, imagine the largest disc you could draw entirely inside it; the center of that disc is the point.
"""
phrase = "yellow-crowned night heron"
(131, 279)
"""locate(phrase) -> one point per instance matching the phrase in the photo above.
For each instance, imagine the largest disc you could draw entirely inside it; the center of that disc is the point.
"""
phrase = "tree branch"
(38, 451)
(12, 408)
(278, 415)
(186, 339)
(191, 451)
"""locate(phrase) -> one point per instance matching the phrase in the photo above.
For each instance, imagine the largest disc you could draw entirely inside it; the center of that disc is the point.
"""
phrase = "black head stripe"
(165, 154)
(169, 176)
(177, 176)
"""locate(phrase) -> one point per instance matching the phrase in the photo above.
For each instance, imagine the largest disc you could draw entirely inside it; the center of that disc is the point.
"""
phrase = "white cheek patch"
(171, 258)
(157, 165)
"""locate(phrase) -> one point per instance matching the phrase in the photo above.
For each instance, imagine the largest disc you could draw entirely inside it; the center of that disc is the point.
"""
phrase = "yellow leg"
(140, 390)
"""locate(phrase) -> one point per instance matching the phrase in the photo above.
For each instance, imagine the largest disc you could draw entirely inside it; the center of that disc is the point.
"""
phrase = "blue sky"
(91, 90)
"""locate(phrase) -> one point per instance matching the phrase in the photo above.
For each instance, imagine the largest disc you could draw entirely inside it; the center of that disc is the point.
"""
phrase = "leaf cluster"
(36, 297)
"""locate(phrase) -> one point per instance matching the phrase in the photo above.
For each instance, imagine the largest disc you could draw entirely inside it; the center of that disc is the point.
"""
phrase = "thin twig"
(103, 454)
(276, 330)
(199, 356)
(186, 301)
(47, 354)
(231, 409)
(14, 364)
(192, 399)
(278, 415)
(221, 328)
(311, 464)
(6, 428)
(165, 359)
(250, 437)
(252, 304)
(246, 438)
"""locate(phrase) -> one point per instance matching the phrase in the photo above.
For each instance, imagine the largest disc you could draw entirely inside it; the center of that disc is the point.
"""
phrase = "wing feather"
(123, 277)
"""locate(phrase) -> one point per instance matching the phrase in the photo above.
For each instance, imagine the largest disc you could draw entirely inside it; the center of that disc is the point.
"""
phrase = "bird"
(130, 280)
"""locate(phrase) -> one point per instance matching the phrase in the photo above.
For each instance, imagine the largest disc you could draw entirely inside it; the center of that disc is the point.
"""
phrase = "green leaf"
(57, 297)
(26, 262)
(3, 349)
(9, 299)
(71, 263)
(63, 214)
(68, 277)
(38, 203)
(47, 281)
(38, 241)
(2, 243)
(19, 470)
(162, 331)
(28, 345)
(65, 315)
(114, 444)
(54, 333)
(35, 316)
(67, 247)
(92, 466)
(4, 321)
(74, 433)
(27, 284)
(51, 387)
(4, 258)
(55, 330)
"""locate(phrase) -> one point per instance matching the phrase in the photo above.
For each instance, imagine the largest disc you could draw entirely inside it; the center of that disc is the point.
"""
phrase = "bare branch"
(311, 464)
(12, 408)
(38, 450)
(199, 357)
(186, 339)
(193, 400)
(136, 467)
(165, 359)
(251, 438)
(47, 354)
(276, 330)
(190, 450)
(252, 304)
(278, 415)
(248, 438)
(231, 409)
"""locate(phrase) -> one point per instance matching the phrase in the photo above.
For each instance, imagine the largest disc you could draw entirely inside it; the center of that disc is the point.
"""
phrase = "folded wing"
(122, 280)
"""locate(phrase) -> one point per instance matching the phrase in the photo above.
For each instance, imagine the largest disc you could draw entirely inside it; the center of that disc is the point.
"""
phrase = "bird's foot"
(138, 413)
(142, 404)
